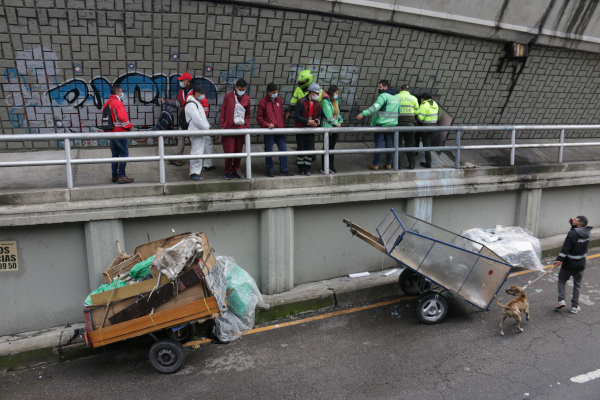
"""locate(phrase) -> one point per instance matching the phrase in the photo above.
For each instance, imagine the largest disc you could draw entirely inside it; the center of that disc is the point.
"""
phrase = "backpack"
(183, 122)
(107, 123)
(165, 120)
(239, 112)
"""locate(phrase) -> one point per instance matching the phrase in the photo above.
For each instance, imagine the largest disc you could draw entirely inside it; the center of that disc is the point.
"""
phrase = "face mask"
(182, 85)
(335, 96)
(315, 97)
(274, 96)
(120, 96)
(240, 93)
(201, 97)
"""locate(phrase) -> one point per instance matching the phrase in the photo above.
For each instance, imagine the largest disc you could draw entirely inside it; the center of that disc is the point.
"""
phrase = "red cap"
(185, 76)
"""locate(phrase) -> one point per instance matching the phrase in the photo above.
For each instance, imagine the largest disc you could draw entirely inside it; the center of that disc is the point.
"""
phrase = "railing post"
(457, 161)
(69, 166)
(326, 156)
(562, 146)
(396, 163)
(513, 137)
(248, 158)
(161, 162)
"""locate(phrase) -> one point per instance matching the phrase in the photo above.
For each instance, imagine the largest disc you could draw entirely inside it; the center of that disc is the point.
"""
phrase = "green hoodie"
(385, 110)
(328, 117)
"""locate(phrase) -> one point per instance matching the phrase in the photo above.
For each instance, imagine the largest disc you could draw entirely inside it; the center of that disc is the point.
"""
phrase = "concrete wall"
(560, 204)
(52, 281)
(58, 59)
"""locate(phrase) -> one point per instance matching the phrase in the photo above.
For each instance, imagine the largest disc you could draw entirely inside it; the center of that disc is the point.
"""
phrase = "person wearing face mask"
(234, 144)
(270, 115)
(185, 92)
(196, 119)
(121, 123)
(307, 113)
(331, 118)
(385, 113)
(305, 78)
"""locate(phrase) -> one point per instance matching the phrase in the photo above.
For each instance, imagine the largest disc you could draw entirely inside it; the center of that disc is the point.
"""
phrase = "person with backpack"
(196, 120)
(186, 83)
(120, 123)
(235, 114)
(307, 113)
(331, 118)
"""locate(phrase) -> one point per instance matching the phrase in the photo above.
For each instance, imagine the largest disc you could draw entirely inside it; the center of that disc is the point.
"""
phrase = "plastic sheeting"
(516, 245)
(173, 260)
(242, 302)
(103, 288)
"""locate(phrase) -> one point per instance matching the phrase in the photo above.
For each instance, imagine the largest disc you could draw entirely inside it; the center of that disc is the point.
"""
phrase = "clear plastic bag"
(517, 246)
(242, 302)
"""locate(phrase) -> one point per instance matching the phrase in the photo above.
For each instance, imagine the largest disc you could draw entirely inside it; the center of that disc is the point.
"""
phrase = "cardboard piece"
(149, 249)
(124, 292)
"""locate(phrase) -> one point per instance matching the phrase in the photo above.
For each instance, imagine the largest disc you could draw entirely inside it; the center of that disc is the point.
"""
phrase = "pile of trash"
(516, 245)
(182, 275)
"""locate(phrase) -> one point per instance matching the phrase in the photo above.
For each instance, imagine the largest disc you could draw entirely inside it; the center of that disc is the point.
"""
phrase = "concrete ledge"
(34, 196)
(115, 191)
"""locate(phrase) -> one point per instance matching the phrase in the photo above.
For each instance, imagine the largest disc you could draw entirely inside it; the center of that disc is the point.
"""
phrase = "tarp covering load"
(103, 288)
(514, 244)
(141, 269)
(242, 301)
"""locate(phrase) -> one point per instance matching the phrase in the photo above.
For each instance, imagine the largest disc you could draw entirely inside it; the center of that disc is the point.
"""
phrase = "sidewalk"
(28, 349)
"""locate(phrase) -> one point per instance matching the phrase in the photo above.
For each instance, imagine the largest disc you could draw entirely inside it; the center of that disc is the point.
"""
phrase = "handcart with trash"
(437, 261)
(179, 281)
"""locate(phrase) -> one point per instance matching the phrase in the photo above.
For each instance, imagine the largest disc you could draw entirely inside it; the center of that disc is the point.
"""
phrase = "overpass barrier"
(248, 154)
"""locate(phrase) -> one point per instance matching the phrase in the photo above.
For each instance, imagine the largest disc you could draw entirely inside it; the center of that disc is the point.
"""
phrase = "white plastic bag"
(230, 326)
(239, 112)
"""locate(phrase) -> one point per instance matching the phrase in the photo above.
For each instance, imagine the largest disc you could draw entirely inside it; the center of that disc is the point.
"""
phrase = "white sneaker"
(575, 310)
(561, 304)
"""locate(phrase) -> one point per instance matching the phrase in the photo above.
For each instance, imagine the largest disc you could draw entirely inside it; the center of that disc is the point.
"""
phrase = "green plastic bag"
(239, 300)
(141, 269)
(103, 288)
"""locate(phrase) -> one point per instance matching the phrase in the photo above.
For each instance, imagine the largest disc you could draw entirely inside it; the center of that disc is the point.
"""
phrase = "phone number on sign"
(8, 265)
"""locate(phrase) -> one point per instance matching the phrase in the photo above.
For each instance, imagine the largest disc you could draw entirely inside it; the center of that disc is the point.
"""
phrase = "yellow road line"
(196, 343)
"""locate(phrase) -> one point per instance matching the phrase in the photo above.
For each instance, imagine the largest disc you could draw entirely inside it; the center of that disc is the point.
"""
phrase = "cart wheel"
(183, 335)
(432, 308)
(412, 283)
(167, 356)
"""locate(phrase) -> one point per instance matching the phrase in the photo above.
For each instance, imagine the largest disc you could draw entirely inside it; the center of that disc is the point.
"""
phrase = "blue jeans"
(389, 143)
(280, 141)
(118, 148)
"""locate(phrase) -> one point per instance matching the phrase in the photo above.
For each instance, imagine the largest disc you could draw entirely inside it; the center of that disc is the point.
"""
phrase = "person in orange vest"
(121, 123)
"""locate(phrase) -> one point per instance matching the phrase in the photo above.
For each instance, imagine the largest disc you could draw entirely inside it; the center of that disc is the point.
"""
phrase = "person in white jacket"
(196, 118)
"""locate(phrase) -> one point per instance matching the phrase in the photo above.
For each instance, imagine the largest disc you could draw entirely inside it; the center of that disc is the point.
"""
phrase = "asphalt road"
(380, 353)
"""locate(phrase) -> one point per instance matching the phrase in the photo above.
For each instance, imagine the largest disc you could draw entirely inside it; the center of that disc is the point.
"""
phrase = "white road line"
(586, 377)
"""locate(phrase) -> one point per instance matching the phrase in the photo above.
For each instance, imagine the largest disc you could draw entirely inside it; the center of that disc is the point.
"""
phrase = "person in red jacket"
(307, 114)
(119, 147)
(234, 144)
(270, 115)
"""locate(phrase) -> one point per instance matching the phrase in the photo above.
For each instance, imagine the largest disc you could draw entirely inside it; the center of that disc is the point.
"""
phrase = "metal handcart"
(437, 261)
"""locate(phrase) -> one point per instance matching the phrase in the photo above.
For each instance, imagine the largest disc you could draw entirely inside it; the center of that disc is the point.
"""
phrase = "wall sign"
(8, 256)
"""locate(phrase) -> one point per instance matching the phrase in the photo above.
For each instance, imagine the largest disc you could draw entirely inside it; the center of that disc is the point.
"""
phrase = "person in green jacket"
(409, 109)
(385, 113)
(428, 116)
(331, 118)
(305, 78)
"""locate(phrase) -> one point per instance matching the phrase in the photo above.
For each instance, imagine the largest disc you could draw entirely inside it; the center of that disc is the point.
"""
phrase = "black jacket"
(574, 249)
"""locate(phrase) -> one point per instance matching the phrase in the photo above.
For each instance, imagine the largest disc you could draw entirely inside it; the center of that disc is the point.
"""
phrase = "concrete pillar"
(528, 209)
(420, 207)
(276, 250)
(101, 244)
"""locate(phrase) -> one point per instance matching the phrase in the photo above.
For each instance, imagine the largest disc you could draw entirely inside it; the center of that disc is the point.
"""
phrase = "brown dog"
(514, 307)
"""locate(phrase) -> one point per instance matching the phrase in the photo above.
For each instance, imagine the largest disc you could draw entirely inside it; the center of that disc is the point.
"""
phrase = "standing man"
(571, 260)
(305, 78)
(428, 116)
(270, 115)
(121, 123)
(307, 114)
(234, 144)
(385, 113)
(409, 109)
(185, 91)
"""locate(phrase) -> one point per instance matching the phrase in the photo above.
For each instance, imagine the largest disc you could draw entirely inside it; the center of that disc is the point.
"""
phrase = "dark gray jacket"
(574, 249)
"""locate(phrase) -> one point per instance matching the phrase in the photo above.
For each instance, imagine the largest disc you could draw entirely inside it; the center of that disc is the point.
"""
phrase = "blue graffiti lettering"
(70, 93)
(240, 71)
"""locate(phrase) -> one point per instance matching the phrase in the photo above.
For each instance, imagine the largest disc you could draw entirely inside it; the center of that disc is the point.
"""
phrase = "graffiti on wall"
(244, 70)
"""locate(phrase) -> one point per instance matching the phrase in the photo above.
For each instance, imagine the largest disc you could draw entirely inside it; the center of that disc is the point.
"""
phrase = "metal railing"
(248, 154)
